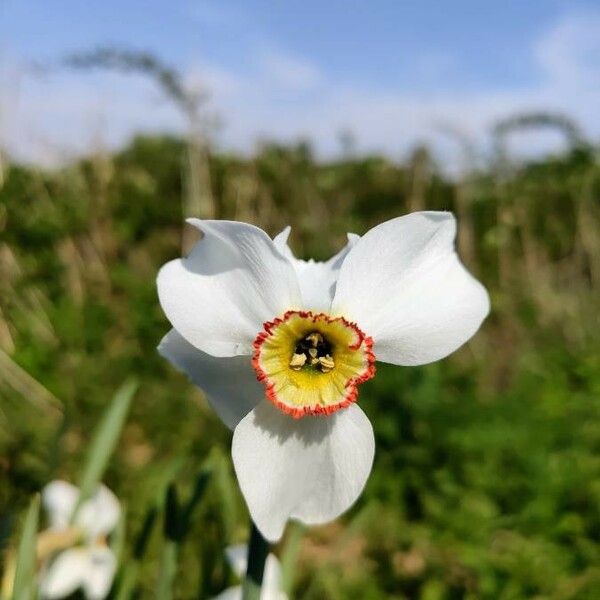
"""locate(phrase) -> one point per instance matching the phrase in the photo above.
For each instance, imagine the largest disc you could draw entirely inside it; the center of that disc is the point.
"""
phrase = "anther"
(312, 351)
(298, 361)
(314, 338)
(326, 363)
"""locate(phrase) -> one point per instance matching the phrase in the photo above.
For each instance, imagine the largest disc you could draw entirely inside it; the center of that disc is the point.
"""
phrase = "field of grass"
(486, 483)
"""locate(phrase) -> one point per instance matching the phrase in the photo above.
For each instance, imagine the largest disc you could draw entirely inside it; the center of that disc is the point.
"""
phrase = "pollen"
(298, 361)
(312, 364)
(326, 363)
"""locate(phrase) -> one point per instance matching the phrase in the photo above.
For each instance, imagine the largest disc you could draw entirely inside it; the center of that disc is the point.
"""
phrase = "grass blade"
(128, 579)
(26, 553)
(187, 511)
(105, 439)
(168, 570)
(289, 556)
(117, 541)
(170, 549)
(128, 582)
(177, 519)
(127, 585)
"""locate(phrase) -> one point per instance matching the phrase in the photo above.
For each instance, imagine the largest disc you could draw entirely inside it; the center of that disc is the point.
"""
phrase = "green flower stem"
(258, 550)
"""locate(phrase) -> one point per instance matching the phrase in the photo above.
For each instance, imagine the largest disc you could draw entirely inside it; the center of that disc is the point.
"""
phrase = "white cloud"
(287, 71)
(569, 54)
(214, 13)
(391, 121)
(52, 118)
(216, 81)
(289, 97)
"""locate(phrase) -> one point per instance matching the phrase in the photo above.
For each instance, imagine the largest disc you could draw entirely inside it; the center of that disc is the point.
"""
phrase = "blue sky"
(393, 72)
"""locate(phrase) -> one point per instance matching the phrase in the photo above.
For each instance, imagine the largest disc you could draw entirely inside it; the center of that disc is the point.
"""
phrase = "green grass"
(486, 482)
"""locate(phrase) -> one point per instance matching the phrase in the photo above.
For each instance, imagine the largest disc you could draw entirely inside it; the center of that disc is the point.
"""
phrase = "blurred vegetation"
(486, 482)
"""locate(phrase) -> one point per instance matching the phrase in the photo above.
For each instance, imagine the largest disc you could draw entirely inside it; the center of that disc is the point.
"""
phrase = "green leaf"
(26, 554)
(289, 556)
(177, 519)
(167, 571)
(143, 537)
(130, 571)
(105, 439)
(226, 485)
(117, 540)
(170, 549)
(186, 513)
(128, 582)
(172, 529)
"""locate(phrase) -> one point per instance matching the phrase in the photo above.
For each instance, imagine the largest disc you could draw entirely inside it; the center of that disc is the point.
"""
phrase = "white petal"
(59, 499)
(404, 285)
(311, 468)
(317, 279)
(232, 593)
(229, 383)
(281, 243)
(237, 557)
(231, 283)
(99, 515)
(65, 574)
(101, 572)
(266, 593)
(272, 580)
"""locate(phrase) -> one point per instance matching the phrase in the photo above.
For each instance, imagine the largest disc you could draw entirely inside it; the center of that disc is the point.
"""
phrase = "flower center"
(51, 541)
(313, 352)
(312, 363)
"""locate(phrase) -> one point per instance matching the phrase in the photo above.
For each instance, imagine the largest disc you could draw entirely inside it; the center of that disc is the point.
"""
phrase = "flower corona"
(312, 364)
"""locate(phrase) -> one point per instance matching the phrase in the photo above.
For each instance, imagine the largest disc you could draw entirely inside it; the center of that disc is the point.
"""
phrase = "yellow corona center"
(312, 364)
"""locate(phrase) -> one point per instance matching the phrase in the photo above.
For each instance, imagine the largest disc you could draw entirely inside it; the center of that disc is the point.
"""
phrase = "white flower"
(83, 560)
(243, 308)
(271, 584)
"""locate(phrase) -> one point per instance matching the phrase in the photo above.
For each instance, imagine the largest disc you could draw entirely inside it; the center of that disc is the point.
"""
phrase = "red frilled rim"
(352, 383)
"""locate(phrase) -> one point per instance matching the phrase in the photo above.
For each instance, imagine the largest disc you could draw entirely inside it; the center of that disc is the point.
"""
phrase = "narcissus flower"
(280, 346)
(271, 583)
(75, 552)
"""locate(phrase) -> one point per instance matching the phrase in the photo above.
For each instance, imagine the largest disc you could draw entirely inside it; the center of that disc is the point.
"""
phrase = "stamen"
(298, 361)
(326, 363)
(314, 350)
(51, 541)
(314, 338)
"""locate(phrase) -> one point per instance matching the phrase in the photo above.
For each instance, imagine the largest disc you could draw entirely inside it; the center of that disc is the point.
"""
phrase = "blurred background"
(119, 119)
